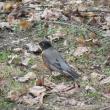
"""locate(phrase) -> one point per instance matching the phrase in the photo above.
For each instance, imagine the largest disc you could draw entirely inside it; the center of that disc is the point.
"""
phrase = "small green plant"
(31, 61)
(106, 70)
(5, 104)
(41, 30)
(96, 95)
(4, 56)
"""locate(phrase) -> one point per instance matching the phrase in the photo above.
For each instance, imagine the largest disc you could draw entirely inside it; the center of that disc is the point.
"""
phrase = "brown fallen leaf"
(73, 102)
(90, 89)
(37, 91)
(25, 61)
(8, 6)
(29, 100)
(51, 14)
(32, 47)
(40, 82)
(97, 76)
(85, 78)
(25, 78)
(81, 50)
(80, 41)
(105, 81)
(48, 84)
(30, 75)
(34, 67)
(25, 58)
(13, 95)
(62, 88)
(17, 50)
(4, 24)
(24, 24)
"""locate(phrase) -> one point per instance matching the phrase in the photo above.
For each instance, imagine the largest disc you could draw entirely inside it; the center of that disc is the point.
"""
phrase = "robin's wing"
(50, 61)
(56, 62)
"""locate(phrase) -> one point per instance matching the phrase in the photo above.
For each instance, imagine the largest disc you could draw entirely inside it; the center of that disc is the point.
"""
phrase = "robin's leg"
(50, 71)
(51, 74)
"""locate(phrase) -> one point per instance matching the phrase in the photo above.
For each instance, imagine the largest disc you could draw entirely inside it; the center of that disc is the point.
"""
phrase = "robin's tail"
(73, 74)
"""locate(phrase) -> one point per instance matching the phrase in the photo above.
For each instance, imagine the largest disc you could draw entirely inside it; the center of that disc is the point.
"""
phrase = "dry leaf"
(21, 79)
(81, 50)
(49, 84)
(40, 82)
(38, 92)
(73, 102)
(25, 78)
(58, 35)
(34, 67)
(105, 81)
(24, 24)
(4, 24)
(85, 78)
(17, 49)
(8, 6)
(51, 14)
(94, 75)
(98, 76)
(30, 75)
(80, 41)
(107, 33)
(68, 89)
(25, 59)
(54, 73)
(90, 89)
(29, 100)
(11, 19)
(60, 88)
(32, 47)
(13, 95)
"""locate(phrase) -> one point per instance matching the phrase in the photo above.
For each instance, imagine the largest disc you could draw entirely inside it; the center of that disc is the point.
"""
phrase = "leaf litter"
(49, 12)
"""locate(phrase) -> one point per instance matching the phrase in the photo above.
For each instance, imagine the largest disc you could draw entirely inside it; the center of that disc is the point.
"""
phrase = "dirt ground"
(89, 92)
(54, 101)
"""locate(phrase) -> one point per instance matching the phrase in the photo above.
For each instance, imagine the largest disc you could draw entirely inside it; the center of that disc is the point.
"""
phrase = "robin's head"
(45, 44)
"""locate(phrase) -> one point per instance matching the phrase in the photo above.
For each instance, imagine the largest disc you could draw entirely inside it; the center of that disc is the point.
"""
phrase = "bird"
(54, 61)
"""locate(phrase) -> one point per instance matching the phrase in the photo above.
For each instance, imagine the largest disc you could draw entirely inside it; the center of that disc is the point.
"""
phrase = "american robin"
(54, 61)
